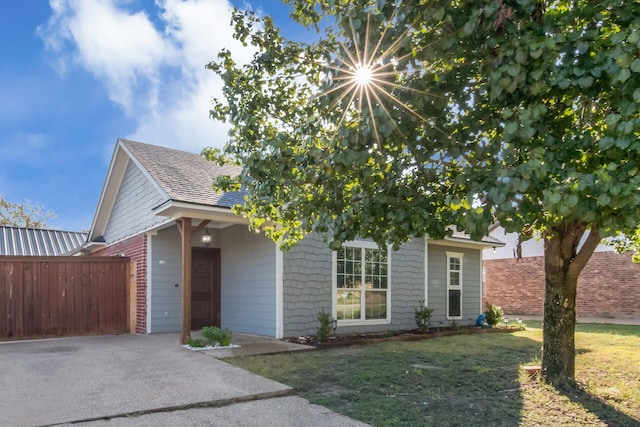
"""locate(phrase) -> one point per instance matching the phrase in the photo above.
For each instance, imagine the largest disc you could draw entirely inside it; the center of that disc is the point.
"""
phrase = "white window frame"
(451, 255)
(334, 278)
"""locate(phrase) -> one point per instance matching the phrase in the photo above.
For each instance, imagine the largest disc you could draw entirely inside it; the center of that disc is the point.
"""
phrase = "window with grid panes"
(454, 285)
(362, 283)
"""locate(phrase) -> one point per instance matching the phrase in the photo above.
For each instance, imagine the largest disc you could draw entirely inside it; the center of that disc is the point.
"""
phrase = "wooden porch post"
(185, 230)
(132, 295)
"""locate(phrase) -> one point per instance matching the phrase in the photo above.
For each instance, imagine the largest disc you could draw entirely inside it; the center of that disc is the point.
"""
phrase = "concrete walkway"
(137, 380)
(606, 320)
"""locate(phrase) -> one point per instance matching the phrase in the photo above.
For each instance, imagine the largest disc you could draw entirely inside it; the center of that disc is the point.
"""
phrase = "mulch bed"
(408, 335)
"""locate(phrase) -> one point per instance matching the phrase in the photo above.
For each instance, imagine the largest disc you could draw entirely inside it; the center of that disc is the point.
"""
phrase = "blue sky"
(76, 75)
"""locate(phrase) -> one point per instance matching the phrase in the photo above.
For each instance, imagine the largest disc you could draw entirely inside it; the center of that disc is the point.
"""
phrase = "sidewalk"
(606, 320)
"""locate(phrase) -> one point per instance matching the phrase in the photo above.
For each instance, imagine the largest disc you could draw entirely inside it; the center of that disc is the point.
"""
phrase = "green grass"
(468, 380)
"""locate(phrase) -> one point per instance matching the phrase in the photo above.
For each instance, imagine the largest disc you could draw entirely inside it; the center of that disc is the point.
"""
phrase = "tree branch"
(587, 249)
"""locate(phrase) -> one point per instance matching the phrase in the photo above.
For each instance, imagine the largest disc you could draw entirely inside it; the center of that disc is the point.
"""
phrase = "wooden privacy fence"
(60, 296)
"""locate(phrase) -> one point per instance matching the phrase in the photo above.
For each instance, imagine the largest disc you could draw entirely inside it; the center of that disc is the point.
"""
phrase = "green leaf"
(623, 75)
(612, 119)
(582, 47)
(438, 14)
(513, 70)
(617, 38)
(604, 199)
(571, 200)
(563, 83)
(510, 128)
(585, 82)
(469, 27)
(553, 198)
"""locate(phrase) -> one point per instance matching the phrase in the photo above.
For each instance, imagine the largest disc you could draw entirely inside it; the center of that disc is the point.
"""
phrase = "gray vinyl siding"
(407, 283)
(131, 211)
(166, 272)
(307, 283)
(248, 281)
(471, 284)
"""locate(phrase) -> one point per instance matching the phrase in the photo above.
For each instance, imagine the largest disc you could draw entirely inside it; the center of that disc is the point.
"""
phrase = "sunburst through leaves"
(366, 77)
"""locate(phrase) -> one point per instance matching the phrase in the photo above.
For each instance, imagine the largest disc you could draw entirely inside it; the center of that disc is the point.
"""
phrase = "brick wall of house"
(609, 285)
(135, 248)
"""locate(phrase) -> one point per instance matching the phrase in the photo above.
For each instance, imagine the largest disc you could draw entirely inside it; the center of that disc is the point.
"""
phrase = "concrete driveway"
(137, 380)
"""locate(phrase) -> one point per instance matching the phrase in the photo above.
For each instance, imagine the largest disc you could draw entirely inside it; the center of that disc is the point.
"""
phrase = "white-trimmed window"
(361, 283)
(454, 285)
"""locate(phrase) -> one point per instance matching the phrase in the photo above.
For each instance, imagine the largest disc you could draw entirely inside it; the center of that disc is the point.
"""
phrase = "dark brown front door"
(205, 287)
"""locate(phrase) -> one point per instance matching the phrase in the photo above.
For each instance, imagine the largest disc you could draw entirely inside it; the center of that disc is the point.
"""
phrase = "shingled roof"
(21, 241)
(185, 177)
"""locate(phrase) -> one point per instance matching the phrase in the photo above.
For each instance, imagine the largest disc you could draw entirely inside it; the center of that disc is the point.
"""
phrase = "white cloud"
(150, 61)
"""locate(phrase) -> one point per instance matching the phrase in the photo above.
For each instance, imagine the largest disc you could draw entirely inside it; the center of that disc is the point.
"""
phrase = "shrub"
(422, 315)
(325, 325)
(493, 314)
(194, 342)
(216, 336)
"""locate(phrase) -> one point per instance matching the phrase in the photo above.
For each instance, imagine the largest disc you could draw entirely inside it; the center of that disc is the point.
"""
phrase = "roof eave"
(467, 243)
(177, 209)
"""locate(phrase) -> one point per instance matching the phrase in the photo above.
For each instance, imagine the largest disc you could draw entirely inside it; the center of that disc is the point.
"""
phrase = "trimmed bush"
(422, 316)
(216, 336)
(325, 325)
(493, 314)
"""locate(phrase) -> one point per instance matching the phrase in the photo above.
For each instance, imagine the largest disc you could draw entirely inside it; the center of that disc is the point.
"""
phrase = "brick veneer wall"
(135, 248)
(609, 285)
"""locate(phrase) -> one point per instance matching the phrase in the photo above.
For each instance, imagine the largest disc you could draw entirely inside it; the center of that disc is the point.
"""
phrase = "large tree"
(24, 214)
(408, 117)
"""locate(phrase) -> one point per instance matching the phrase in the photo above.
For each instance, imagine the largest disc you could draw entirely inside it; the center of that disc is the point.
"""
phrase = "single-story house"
(158, 208)
(609, 285)
(25, 241)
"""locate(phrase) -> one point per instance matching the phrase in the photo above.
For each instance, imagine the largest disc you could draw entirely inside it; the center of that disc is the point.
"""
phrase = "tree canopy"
(482, 110)
(24, 214)
(409, 117)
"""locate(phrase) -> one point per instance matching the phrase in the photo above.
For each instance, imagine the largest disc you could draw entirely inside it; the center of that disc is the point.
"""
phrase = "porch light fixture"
(206, 237)
(494, 249)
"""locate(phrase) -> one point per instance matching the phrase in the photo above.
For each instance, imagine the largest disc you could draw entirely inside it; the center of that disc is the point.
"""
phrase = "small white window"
(361, 284)
(454, 285)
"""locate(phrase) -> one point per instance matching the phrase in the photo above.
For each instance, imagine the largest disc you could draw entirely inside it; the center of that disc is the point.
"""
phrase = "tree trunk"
(558, 347)
(563, 264)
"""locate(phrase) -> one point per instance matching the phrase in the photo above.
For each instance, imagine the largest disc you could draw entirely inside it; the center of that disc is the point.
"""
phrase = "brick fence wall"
(135, 248)
(609, 285)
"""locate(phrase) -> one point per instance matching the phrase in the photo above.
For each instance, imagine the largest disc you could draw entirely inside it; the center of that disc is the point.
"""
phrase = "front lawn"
(467, 380)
